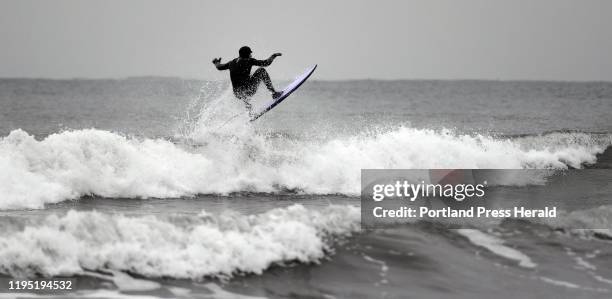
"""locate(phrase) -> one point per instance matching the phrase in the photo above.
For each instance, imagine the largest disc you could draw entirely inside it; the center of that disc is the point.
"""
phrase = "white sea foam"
(125, 282)
(72, 164)
(571, 285)
(560, 283)
(383, 268)
(192, 247)
(220, 293)
(596, 221)
(497, 246)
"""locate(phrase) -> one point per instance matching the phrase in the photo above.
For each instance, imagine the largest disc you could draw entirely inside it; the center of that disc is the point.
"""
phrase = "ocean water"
(161, 188)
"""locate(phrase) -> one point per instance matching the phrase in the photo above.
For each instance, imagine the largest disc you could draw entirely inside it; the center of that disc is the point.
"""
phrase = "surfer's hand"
(216, 60)
(276, 54)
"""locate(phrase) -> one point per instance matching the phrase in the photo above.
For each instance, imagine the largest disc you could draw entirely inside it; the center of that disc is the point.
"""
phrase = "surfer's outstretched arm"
(220, 66)
(266, 62)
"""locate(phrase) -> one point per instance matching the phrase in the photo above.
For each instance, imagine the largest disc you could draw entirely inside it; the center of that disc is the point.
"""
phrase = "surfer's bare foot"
(276, 94)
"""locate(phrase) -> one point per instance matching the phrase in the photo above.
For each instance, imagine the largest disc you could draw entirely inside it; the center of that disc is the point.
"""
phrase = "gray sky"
(387, 39)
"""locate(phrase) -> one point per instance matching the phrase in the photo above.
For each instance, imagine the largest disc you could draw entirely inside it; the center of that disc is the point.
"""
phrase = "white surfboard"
(286, 92)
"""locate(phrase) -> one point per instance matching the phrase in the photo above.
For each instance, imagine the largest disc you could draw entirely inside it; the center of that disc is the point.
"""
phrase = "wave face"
(72, 164)
(175, 246)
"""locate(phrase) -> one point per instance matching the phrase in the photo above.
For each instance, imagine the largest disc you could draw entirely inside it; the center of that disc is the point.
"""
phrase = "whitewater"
(180, 247)
(76, 163)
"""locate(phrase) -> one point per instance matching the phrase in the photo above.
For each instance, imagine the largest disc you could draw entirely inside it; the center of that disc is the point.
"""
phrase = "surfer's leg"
(248, 106)
(262, 75)
(244, 95)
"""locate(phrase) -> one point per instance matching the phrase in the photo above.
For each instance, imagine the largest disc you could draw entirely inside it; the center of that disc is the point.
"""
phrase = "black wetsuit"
(243, 83)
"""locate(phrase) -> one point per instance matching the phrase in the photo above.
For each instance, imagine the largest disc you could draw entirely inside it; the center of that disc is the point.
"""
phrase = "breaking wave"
(72, 164)
(176, 246)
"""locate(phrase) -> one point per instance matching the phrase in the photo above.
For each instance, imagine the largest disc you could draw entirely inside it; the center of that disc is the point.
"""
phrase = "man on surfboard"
(245, 85)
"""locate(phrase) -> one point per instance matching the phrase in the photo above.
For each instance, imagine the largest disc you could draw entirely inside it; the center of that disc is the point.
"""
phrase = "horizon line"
(319, 80)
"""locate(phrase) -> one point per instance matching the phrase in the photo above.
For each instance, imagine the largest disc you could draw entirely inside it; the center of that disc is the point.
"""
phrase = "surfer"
(244, 84)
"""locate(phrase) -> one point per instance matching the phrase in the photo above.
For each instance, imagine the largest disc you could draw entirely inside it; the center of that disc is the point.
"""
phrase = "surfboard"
(286, 92)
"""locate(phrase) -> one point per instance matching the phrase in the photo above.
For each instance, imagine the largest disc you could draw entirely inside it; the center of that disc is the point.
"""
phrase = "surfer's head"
(245, 52)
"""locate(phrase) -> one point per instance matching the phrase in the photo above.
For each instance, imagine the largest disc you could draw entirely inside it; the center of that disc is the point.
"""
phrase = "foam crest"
(72, 164)
(178, 246)
(75, 163)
